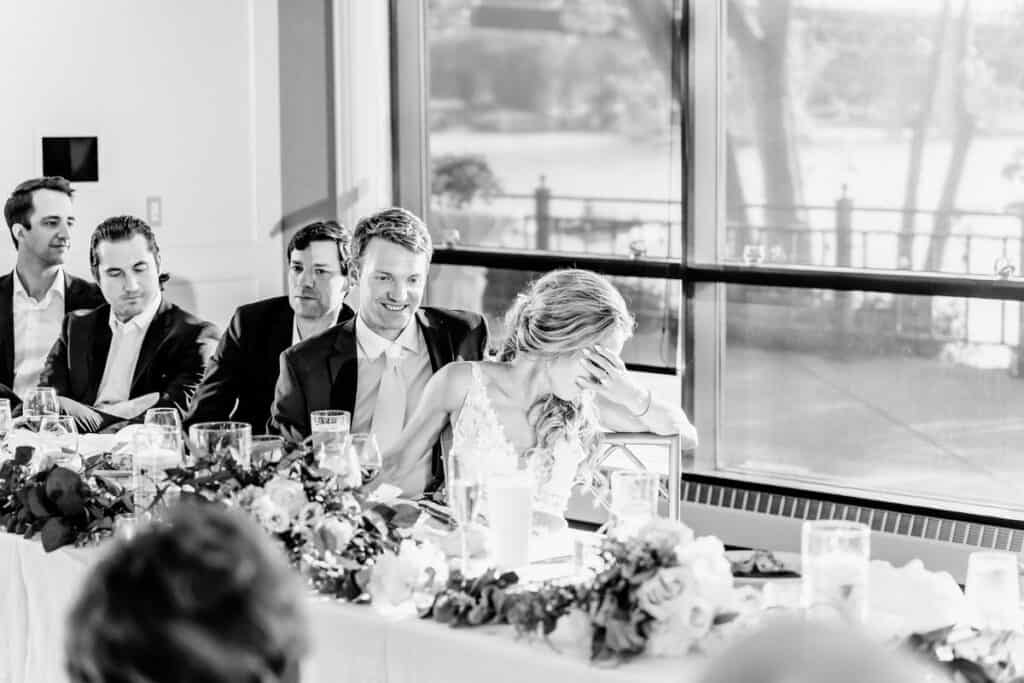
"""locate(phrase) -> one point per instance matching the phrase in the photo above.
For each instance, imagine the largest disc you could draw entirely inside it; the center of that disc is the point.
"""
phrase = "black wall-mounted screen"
(76, 159)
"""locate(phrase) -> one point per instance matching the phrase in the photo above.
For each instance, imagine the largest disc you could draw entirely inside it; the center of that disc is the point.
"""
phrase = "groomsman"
(135, 352)
(377, 364)
(37, 294)
(239, 384)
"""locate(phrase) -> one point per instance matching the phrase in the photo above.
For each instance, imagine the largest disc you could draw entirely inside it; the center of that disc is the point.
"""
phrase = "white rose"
(657, 595)
(270, 515)
(689, 619)
(416, 569)
(287, 493)
(311, 515)
(710, 569)
(665, 533)
(335, 534)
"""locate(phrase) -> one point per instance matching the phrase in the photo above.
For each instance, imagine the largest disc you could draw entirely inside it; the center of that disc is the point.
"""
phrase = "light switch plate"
(154, 211)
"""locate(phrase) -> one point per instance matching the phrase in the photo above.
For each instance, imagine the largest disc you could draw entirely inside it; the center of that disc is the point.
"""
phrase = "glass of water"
(835, 558)
(39, 403)
(220, 440)
(58, 437)
(330, 430)
(634, 499)
(993, 590)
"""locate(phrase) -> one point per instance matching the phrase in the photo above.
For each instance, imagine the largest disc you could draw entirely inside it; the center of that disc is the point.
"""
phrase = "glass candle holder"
(634, 500)
(835, 564)
(993, 590)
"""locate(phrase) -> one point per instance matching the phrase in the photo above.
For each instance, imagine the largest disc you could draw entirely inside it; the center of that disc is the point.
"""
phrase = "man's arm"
(217, 394)
(56, 369)
(185, 368)
(289, 415)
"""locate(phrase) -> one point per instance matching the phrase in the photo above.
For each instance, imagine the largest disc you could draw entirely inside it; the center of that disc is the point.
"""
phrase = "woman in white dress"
(557, 383)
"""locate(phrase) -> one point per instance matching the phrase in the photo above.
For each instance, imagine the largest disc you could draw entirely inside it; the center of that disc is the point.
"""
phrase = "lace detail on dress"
(479, 441)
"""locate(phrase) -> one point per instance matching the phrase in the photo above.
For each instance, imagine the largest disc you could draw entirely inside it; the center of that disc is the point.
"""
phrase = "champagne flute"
(465, 494)
(363, 449)
(40, 402)
(5, 421)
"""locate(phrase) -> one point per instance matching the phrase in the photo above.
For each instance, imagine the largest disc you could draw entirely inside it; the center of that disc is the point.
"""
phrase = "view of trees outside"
(882, 134)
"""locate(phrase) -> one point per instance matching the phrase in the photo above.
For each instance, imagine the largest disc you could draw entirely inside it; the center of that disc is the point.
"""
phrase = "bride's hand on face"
(605, 374)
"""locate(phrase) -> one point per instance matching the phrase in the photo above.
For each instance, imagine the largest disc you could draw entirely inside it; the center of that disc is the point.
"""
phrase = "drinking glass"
(835, 556)
(169, 421)
(5, 421)
(155, 449)
(330, 429)
(634, 500)
(58, 438)
(510, 515)
(993, 590)
(364, 451)
(266, 448)
(219, 440)
(40, 402)
(465, 497)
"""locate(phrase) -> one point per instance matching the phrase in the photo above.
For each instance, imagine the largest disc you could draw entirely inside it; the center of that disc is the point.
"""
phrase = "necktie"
(389, 412)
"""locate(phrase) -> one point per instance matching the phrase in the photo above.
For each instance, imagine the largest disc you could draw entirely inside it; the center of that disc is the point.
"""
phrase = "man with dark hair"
(239, 384)
(37, 294)
(376, 365)
(135, 352)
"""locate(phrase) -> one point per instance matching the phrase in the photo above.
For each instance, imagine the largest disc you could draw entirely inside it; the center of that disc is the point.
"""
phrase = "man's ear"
(18, 230)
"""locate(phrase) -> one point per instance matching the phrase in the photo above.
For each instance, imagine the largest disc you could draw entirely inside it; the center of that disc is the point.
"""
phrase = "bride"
(557, 383)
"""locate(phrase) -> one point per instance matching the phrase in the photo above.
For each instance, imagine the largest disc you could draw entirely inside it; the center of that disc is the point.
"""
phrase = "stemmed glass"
(168, 421)
(59, 438)
(362, 448)
(465, 499)
(39, 403)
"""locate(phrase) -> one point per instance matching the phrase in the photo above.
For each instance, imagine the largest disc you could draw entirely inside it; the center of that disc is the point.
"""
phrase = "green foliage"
(458, 179)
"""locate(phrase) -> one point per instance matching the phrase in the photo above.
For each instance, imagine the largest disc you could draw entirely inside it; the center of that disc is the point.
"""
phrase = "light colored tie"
(389, 413)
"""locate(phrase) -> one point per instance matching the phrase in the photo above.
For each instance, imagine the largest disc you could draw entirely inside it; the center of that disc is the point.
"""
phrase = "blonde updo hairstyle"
(564, 312)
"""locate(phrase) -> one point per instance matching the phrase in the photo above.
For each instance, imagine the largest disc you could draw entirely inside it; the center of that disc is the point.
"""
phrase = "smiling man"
(37, 294)
(239, 384)
(376, 365)
(137, 351)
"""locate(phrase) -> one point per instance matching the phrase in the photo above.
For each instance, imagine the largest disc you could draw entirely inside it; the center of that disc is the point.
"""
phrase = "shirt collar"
(373, 345)
(141, 321)
(56, 288)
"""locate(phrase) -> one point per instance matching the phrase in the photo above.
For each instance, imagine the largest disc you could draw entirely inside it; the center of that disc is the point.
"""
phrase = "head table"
(352, 643)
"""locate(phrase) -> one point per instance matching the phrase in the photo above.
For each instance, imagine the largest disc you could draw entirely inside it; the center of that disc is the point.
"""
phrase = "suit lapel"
(279, 333)
(156, 333)
(342, 367)
(439, 342)
(97, 360)
(7, 329)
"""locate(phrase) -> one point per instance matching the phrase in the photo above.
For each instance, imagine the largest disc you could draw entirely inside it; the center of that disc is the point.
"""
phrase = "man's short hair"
(116, 229)
(19, 207)
(324, 231)
(395, 225)
(207, 596)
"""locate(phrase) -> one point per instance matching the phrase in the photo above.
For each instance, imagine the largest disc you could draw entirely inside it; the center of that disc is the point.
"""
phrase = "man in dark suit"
(135, 352)
(239, 383)
(376, 365)
(37, 294)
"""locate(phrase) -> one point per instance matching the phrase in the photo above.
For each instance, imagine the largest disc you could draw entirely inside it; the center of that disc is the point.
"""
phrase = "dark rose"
(56, 533)
(65, 489)
(36, 503)
(23, 454)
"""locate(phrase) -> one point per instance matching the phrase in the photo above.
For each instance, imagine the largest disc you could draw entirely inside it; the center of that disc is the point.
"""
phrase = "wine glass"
(168, 421)
(465, 499)
(362, 448)
(5, 421)
(59, 439)
(40, 402)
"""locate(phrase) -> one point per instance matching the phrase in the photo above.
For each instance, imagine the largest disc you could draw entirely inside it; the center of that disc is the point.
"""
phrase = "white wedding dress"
(480, 445)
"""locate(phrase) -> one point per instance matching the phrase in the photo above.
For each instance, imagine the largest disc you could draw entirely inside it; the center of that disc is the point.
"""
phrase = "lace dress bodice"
(481, 448)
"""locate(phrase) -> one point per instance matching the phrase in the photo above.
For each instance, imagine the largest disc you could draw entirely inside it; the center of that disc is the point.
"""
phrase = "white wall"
(183, 96)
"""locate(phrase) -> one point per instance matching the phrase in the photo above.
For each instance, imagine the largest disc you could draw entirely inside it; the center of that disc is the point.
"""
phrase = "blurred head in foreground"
(793, 651)
(205, 598)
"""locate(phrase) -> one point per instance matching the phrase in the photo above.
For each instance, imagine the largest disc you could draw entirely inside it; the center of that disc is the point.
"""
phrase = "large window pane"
(836, 387)
(875, 134)
(553, 126)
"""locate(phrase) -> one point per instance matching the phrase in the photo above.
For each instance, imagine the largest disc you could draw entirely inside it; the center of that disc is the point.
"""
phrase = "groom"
(376, 365)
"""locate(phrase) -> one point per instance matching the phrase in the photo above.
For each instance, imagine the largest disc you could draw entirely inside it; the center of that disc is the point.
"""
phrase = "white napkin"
(911, 599)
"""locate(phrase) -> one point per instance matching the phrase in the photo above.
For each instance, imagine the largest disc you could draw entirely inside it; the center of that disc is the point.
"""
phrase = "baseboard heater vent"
(915, 524)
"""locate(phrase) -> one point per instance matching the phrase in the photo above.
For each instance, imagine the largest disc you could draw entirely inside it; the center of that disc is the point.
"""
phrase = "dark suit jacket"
(320, 372)
(245, 366)
(173, 357)
(78, 293)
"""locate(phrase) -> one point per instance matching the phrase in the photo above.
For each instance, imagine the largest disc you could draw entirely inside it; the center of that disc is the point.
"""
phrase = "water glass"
(39, 403)
(6, 422)
(58, 438)
(330, 430)
(835, 556)
(266, 448)
(993, 590)
(155, 450)
(634, 500)
(510, 514)
(363, 450)
(220, 440)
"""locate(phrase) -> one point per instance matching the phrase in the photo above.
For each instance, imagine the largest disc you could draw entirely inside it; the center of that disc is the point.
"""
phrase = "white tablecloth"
(351, 643)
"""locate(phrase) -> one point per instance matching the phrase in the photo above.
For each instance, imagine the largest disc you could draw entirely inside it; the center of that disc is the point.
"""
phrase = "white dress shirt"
(125, 344)
(415, 370)
(36, 328)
